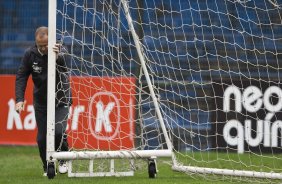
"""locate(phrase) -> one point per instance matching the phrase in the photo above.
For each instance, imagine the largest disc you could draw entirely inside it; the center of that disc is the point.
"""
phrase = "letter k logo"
(103, 116)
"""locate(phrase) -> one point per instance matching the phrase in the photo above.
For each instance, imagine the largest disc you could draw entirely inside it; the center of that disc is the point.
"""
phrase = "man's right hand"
(20, 106)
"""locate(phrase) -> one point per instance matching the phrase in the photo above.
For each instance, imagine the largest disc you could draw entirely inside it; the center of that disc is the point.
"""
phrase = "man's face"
(42, 42)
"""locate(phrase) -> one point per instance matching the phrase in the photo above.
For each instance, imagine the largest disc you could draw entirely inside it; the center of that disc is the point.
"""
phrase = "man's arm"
(21, 82)
(63, 72)
(61, 57)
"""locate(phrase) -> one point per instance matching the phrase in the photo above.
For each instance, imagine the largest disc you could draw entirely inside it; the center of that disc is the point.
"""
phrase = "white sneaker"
(44, 171)
(63, 167)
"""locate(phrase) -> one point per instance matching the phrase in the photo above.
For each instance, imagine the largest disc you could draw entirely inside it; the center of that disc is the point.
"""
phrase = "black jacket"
(36, 64)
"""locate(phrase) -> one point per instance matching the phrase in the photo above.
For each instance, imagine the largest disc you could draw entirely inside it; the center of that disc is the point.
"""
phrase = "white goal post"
(195, 81)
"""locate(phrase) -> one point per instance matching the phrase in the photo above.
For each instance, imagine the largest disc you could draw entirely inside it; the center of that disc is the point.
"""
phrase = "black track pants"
(60, 128)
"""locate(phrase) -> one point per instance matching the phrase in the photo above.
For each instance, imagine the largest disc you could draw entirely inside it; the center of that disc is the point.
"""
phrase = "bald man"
(35, 63)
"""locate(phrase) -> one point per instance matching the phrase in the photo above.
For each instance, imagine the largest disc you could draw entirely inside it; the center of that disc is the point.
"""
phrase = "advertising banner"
(101, 117)
(248, 116)
(16, 129)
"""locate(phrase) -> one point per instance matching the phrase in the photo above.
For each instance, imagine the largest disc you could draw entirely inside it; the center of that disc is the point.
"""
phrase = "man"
(35, 63)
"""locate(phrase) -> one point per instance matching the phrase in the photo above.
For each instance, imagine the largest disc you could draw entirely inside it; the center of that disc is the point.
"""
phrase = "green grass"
(22, 165)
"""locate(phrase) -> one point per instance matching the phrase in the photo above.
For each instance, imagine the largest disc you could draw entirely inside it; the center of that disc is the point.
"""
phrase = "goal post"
(195, 81)
(51, 92)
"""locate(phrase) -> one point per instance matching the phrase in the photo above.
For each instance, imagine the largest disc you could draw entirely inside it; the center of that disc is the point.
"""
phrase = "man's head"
(41, 39)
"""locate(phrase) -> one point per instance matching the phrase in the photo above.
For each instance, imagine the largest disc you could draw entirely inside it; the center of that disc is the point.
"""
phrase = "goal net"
(200, 78)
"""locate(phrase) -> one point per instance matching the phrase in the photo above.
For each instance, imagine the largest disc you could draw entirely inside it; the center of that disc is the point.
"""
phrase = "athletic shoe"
(63, 168)
(45, 171)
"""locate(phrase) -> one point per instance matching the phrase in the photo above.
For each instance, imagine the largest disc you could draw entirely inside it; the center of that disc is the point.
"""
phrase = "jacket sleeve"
(63, 57)
(22, 77)
(64, 75)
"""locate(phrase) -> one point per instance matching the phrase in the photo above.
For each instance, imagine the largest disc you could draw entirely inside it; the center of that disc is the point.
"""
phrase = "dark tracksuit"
(36, 64)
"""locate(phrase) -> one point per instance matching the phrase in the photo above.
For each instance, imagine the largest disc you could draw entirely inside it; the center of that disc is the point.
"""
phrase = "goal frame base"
(229, 172)
(92, 155)
(90, 173)
(88, 155)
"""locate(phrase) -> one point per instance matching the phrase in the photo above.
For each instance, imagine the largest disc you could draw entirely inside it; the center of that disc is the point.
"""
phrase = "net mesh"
(215, 70)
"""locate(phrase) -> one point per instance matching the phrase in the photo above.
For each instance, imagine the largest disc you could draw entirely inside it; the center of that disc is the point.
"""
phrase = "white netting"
(215, 69)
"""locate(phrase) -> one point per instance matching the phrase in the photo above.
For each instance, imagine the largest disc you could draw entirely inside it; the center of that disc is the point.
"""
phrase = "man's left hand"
(56, 49)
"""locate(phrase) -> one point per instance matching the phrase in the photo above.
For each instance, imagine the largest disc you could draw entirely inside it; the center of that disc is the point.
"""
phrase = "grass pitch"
(22, 165)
